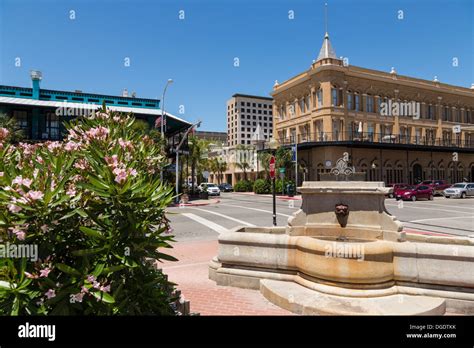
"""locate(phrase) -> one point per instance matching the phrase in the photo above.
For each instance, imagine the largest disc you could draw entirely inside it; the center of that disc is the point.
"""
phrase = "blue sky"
(88, 53)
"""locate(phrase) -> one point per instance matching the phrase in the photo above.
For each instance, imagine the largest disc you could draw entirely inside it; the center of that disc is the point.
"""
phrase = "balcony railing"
(380, 138)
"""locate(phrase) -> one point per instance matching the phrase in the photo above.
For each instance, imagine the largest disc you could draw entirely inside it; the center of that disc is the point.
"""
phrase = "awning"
(174, 123)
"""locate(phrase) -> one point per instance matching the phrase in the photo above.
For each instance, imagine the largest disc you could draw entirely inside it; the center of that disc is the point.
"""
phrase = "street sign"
(272, 167)
(457, 129)
(293, 153)
(282, 170)
(181, 152)
(205, 174)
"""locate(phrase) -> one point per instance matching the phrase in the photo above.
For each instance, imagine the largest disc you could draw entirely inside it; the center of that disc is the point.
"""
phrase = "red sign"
(272, 167)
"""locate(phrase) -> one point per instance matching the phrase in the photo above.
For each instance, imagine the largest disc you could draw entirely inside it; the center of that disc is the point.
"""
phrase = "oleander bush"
(262, 186)
(243, 186)
(94, 206)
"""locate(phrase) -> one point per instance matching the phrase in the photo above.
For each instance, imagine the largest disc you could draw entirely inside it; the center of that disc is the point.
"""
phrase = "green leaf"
(103, 296)
(68, 269)
(91, 233)
(87, 251)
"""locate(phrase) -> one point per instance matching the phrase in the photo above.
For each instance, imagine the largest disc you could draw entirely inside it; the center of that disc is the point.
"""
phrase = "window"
(254, 104)
(254, 117)
(319, 96)
(370, 103)
(264, 112)
(259, 105)
(334, 97)
(302, 109)
(446, 113)
(431, 110)
(242, 129)
(357, 102)
(350, 104)
(248, 104)
(52, 126)
(21, 118)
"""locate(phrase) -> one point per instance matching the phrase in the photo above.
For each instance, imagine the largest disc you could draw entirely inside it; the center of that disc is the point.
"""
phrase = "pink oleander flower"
(1, 174)
(31, 276)
(71, 146)
(44, 272)
(96, 285)
(20, 181)
(112, 161)
(3, 133)
(91, 279)
(71, 191)
(50, 294)
(125, 144)
(53, 145)
(44, 228)
(120, 175)
(19, 233)
(133, 172)
(99, 133)
(105, 288)
(14, 208)
(78, 297)
(35, 173)
(35, 195)
(81, 164)
(84, 290)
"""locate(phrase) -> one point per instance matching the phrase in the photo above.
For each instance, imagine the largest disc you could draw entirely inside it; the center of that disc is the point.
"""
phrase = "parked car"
(413, 192)
(211, 189)
(438, 186)
(225, 187)
(395, 188)
(460, 190)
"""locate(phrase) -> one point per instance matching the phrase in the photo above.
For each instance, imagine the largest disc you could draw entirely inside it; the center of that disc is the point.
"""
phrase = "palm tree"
(16, 134)
(243, 161)
(198, 157)
(264, 159)
(221, 168)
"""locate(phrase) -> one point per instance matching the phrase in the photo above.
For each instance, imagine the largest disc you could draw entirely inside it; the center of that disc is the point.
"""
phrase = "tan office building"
(244, 114)
(395, 128)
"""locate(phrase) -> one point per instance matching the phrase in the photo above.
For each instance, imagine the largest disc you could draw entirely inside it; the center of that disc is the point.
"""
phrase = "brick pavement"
(190, 274)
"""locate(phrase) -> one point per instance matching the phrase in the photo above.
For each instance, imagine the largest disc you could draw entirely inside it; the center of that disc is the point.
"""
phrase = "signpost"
(272, 175)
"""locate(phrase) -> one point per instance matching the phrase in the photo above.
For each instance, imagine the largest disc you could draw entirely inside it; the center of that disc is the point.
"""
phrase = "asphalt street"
(447, 216)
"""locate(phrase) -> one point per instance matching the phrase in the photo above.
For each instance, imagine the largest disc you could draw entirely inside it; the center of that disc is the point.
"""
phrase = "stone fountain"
(342, 253)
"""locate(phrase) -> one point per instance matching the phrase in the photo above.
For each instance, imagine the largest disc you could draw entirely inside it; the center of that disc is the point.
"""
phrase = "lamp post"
(273, 146)
(163, 118)
(197, 125)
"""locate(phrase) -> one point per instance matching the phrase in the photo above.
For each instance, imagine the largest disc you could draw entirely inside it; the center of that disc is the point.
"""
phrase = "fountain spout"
(342, 212)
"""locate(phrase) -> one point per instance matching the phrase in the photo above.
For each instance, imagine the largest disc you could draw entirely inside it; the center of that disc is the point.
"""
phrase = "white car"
(460, 190)
(212, 189)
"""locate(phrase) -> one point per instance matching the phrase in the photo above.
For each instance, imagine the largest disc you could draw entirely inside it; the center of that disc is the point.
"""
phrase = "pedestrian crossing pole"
(296, 163)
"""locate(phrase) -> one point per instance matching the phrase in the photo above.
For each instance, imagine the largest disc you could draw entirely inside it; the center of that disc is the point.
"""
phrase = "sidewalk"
(190, 274)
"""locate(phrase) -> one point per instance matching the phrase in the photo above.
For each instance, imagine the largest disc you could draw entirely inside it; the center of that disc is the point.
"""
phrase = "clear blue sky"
(198, 52)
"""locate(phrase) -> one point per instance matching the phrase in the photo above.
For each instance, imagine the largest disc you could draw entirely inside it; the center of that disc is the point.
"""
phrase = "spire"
(326, 49)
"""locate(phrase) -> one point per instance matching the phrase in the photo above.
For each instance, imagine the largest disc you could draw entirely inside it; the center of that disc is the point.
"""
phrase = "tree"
(264, 159)
(9, 123)
(198, 149)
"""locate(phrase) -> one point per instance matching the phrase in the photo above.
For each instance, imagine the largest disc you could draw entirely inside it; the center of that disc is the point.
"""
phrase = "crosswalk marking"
(208, 223)
(256, 209)
(225, 216)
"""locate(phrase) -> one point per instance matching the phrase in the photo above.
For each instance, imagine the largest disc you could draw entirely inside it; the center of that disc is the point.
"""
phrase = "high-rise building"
(244, 114)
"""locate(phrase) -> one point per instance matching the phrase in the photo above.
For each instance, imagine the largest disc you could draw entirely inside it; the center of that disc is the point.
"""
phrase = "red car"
(395, 188)
(412, 192)
(438, 186)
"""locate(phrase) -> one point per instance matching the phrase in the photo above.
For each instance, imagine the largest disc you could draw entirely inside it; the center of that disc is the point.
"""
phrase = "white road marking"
(454, 206)
(225, 216)
(256, 209)
(208, 223)
(445, 218)
(408, 205)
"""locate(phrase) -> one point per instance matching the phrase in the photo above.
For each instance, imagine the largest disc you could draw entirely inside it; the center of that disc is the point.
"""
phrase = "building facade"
(395, 128)
(244, 114)
(41, 113)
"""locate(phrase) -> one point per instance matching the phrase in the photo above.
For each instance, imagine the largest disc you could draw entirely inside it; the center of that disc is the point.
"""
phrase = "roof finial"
(326, 17)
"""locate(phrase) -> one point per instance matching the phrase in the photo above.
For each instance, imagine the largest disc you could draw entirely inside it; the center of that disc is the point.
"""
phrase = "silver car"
(460, 190)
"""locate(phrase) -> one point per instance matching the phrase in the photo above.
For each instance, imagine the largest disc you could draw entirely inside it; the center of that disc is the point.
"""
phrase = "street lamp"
(273, 146)
(163, 118)
(197, 125)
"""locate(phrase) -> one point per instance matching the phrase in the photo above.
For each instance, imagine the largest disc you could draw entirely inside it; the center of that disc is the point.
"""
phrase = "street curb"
(283, 198)
(195, 204)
